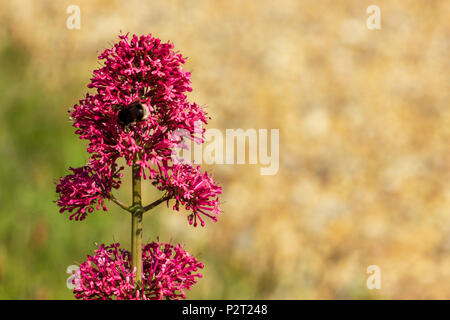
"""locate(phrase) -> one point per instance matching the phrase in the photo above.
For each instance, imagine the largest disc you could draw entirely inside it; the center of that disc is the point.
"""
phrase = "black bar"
(230, 309)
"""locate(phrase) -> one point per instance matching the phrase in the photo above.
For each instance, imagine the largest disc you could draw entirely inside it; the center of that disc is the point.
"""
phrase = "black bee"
(132, 113)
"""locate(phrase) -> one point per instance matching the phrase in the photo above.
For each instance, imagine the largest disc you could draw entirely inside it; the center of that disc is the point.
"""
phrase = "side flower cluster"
(193, 189)
(86, 188)
(167, 272)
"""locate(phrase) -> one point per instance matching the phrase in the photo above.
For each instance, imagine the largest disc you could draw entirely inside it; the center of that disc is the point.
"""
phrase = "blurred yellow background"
(364, 123)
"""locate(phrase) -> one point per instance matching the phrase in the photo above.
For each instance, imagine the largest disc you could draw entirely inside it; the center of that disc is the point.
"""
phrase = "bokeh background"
(364, 121)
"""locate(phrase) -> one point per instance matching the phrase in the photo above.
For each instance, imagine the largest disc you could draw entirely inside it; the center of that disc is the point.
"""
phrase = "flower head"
(87, 187)
(195, 190)
(146, 72)
(138, 69)
(167, 272)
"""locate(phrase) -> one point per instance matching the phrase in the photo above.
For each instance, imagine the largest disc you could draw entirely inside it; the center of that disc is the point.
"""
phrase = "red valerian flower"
(138, 71)
(87, 186)
(195, 190)
(167, 272)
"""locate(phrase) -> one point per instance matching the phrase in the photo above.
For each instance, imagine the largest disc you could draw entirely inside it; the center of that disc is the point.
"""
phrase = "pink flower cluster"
(167, 272)
(138, 69)
(193, 189)
(87, 186)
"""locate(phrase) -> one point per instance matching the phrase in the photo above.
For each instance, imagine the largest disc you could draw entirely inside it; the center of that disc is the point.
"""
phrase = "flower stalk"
(119, 203)
(157, 202)
(136, 224)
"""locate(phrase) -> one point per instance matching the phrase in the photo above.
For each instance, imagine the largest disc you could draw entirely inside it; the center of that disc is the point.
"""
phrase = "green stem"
(136, 225)
(157, 202)
(119, 203)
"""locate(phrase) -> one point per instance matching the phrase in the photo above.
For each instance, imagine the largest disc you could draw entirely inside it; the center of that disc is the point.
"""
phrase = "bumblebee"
(132, 113)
